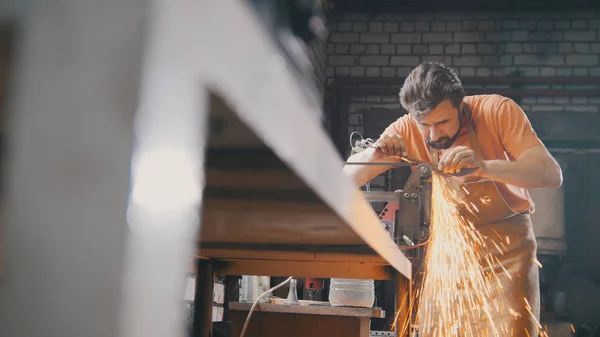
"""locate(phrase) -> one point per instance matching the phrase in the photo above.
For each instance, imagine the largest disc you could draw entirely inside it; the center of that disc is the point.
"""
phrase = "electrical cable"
(258, 299)
(415, 246)
(361, 144)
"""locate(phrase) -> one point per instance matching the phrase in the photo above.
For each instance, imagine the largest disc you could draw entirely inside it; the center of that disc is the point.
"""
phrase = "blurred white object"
(549, 220)
(292, 298)
(253, 286)
(351, 293)
(190, 289)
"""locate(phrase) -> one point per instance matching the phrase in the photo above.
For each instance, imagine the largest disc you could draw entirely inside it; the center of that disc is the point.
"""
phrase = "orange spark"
(528, 308)
(458, 296)
(498, 235)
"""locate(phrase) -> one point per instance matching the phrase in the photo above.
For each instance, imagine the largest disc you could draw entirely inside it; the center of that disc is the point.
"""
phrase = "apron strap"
(483, 188)
(472, 135)
(434, 156)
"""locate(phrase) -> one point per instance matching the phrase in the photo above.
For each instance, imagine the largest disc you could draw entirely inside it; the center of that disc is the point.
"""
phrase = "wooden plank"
(226, 254)
(310, 310)
(251, 221)
(289, 248)
(250, 179)
(314, 269)
(252, 159)
(269, 324)
(269, 184)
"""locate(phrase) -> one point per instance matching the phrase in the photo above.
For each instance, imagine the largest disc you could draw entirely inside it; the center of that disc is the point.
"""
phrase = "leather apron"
(501, 226)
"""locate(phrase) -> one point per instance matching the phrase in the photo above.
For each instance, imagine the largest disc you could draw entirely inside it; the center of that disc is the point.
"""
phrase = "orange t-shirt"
(503, 131)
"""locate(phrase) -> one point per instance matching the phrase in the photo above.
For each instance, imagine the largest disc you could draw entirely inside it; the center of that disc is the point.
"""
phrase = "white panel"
(549, 220)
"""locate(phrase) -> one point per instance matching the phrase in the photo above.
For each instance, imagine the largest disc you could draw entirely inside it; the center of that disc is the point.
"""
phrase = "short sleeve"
(514, 128)
(400, 127)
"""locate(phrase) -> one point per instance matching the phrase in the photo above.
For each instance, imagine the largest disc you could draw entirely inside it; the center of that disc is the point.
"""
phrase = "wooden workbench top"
(258, 206)
(310, 310)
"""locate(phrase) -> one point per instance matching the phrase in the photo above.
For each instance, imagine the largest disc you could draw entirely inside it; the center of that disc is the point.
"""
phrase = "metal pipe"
(377, 196)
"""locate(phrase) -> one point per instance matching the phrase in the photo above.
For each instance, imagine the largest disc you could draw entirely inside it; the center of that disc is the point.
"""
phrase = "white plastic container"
(351, 293)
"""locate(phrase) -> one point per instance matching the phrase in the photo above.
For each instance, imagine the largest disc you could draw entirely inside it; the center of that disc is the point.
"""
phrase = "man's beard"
(444, 143)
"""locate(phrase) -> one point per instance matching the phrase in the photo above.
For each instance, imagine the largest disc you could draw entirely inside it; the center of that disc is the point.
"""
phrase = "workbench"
(259, 217)
(276, 202)
(273, 320)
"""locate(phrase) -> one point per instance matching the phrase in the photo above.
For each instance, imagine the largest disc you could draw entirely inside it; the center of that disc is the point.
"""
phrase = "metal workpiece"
(396, 196)
(407, 212)
(422, 167)
(382, 196)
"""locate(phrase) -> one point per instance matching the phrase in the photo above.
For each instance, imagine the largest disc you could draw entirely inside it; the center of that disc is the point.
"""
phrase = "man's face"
(440, 127)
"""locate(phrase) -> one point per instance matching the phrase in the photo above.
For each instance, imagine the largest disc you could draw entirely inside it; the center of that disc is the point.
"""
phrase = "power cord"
(258, 299)
(360, 145)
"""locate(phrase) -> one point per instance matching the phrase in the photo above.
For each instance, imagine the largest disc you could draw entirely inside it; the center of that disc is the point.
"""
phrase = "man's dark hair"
(428, 85)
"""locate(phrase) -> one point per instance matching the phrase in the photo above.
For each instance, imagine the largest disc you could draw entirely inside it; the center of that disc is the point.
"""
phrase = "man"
(489, 132)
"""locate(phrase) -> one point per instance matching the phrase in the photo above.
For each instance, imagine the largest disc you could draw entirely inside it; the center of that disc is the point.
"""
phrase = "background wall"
(475, 43)
(486, 45)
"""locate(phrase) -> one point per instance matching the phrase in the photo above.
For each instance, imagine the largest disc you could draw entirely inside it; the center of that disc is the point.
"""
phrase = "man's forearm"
(362, 174)
(530, 175)
(359, 173)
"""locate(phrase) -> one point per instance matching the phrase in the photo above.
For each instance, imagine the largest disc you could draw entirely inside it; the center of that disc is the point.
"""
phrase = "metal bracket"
(406, 216)
(413, 215)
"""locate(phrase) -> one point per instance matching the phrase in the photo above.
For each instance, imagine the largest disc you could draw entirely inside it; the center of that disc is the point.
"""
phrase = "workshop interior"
(174, 168)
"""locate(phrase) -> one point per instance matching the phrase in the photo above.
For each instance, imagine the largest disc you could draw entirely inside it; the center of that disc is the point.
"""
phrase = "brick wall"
(474, 43)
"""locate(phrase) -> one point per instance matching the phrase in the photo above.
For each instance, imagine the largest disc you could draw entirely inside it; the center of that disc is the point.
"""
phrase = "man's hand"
(390, 145)
(386, 149)
(455, 159)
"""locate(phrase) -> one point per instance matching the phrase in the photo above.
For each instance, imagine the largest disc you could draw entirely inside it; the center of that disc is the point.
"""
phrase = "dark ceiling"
(435, 5)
